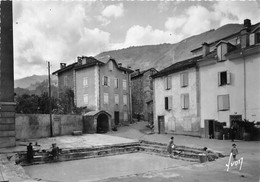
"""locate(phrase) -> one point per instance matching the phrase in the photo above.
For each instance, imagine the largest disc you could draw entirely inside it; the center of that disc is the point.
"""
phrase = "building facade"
(221, 85)
(142, 94)
(7, 105)
(176, 99)
(100, 86)
(230, 80)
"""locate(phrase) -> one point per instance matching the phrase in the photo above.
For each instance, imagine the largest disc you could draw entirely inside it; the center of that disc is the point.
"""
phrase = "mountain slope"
(31, 82)
(163, 55)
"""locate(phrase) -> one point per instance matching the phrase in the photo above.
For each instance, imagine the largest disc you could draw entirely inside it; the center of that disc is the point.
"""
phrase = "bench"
(76, 133)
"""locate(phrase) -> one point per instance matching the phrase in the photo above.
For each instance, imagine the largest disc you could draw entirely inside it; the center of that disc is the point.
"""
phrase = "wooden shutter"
(186, 101)
(219, 78)
(103, 80)
(219, 52)
(186, 79)
(181, 76)
(108, 81)
(225, 102)
(182, 101)
(220, 102)
(170, 102)
(165, 83)
(228, 77)
(169, 82)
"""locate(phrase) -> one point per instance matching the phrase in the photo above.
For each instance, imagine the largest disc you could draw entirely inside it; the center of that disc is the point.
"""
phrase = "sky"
(59, 31)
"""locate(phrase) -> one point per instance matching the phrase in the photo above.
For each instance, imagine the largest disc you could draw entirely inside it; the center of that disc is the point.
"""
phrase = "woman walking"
(171, 146)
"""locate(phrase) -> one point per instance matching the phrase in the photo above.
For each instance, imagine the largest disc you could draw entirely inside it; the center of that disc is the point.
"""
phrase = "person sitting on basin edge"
(55, 152)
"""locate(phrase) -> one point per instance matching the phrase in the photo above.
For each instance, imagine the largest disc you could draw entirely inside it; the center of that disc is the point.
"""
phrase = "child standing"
(234, 151)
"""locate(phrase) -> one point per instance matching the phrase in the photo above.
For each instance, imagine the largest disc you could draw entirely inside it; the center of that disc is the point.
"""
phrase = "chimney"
(247, 23)
(62, 65)
(119, 64)
(138, 71)
(205, 49)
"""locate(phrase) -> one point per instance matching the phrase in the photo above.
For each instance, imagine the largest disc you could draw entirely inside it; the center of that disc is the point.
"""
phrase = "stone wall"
(38, 125)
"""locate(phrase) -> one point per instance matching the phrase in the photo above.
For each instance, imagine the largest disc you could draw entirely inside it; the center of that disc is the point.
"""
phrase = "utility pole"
(50, 110)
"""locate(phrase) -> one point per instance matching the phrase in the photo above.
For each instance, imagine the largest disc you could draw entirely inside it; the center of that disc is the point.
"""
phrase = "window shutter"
(186, 79)
(169, 82)
(181, 76)
(170, 102)
(228, 77)
(220, 103)
(182, 102)
(165, 83)
(108, 81)
(219, 78)
(103, 80)
(226, 102)
(186, 101)
(219, 52)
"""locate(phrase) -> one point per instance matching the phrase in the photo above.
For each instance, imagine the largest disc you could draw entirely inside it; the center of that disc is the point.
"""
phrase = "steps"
(181, 152)
(81, 153)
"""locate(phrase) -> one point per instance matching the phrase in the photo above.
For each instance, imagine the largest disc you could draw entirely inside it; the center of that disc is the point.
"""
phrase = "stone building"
(142, 94)
(99, 85)
(219, 84)
(230, 80)
(176, 98)
(7, 105)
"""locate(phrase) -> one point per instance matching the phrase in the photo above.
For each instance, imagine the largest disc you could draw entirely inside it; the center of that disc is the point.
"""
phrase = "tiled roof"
(179, 66)
(65, 68)
(90, 61)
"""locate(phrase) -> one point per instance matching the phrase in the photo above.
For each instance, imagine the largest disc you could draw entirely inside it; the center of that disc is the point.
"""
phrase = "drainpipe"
(244, 61)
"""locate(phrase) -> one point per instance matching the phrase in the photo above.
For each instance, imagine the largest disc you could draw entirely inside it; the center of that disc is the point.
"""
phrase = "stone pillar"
(7, 105)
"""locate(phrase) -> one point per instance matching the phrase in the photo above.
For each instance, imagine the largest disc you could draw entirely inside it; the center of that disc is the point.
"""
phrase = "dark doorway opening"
(102, 123)
(209, 128)
(116, 115)
(161, 124)
(235, 121)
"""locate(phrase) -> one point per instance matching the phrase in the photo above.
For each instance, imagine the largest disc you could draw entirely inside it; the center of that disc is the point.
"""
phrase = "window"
(168, 83)
(124, 84)
(116, 99)
(105, 98)
(221, 51)
(224, 78)
(116, 83)
(65, 81)
(110, 65)
(184, 79)
(85, 82)
(125, 100)
(168, 103)
(85, 98)
(223, 102)
(106, 81)
(125, 116)
(185, 101)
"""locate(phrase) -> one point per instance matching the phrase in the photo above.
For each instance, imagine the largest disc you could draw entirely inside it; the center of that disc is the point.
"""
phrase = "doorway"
(209, 128)
(116, 115)
(102, 123)
(161, 125)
